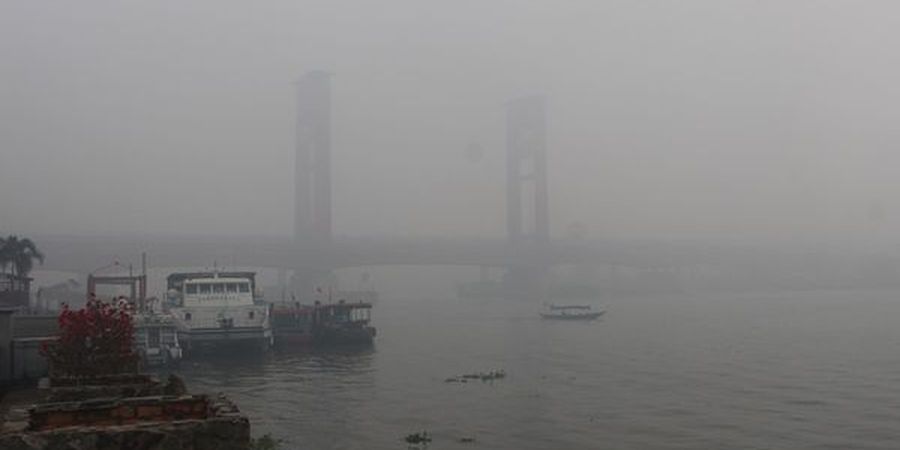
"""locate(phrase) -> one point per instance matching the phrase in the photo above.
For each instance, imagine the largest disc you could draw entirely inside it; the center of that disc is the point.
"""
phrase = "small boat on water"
(218, 309)
(571, 312)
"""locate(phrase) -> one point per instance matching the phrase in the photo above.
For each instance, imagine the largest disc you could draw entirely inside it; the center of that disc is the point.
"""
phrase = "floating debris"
(483, 376)
(418, 438)
(493, 375)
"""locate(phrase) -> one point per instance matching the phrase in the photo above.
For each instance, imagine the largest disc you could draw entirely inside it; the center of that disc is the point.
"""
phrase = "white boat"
(571, 312)
(218, 309)
(156, 339)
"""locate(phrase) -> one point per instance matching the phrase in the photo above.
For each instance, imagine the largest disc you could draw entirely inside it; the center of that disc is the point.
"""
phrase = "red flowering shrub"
(95, 340)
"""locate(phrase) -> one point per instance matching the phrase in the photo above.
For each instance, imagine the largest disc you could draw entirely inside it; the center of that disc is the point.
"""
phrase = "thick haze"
(720, 119)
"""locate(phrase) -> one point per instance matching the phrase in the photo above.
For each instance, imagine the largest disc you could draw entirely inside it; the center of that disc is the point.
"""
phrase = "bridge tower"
(312, 183)
(527, 214)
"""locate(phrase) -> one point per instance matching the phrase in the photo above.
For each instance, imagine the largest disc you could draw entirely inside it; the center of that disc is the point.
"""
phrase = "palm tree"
(20, 254)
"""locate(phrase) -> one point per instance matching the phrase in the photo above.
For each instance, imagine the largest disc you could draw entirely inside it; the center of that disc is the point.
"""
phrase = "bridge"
(83, 254)
(313, 252)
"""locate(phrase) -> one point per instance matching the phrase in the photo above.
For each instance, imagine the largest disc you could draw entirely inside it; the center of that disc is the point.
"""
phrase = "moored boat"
(156, 339)
(155, 335)
(292, 324)
(218, 309)
(342, 323)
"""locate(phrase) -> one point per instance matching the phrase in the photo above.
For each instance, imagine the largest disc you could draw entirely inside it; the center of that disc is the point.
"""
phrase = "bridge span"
(527, 250)
(83, 254)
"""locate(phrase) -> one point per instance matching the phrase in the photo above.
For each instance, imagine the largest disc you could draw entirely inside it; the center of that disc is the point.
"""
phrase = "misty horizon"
(504, 224)
(742, 121)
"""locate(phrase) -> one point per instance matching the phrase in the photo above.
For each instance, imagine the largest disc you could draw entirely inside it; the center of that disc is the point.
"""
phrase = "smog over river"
(472, 224)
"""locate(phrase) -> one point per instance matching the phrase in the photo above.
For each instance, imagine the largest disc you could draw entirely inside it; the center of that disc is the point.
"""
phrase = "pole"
(143, 292)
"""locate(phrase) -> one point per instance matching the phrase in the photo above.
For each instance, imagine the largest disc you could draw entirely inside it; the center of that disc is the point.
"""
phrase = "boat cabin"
(204, 289)
(342, 323)
(156, 339)
(211, 308)
(342, 312)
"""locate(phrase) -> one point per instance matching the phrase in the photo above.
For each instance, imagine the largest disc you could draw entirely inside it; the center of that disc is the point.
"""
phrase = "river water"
(714, 370)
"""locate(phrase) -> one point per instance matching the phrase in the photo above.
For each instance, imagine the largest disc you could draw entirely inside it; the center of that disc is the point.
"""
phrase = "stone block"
(149, 412)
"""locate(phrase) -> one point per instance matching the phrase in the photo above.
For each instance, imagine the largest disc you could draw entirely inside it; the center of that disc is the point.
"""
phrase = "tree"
(95, 340)
(20, 254)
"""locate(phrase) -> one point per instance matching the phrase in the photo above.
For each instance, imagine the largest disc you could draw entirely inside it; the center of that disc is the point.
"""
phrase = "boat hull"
(292, 338)
(292, 325)
(585, 316)
(345, 336)
(209, 338)
(161, 356)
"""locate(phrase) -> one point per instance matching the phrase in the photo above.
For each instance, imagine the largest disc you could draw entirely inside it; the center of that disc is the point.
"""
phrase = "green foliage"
(19, 254)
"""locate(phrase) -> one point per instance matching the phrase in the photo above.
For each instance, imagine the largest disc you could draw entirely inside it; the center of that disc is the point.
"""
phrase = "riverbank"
(125, 412)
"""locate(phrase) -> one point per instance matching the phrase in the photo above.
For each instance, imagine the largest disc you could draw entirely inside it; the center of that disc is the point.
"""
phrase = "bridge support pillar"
(312, 195)
(312, 176)
(527, 212)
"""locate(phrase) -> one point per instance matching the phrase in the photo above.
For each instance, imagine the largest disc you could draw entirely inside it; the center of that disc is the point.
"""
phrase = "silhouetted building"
(14, 291)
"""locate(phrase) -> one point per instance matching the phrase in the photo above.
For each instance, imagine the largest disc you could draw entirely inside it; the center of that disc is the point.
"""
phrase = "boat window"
(218, 288)
(192, 289)
(360, 315)
(251, 314)
(204, 289)
(153, 337)
(187, 316)
(245, 287)
(231, 287)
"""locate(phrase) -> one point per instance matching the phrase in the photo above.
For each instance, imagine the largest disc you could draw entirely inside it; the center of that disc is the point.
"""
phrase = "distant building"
(14, 291)
(51, 298)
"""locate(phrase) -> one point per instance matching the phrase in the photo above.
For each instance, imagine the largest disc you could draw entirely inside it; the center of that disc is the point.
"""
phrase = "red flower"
(93, 341)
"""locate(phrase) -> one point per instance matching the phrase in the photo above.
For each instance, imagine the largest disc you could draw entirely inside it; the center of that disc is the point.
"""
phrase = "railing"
(10, 283)
(30, 326)
(239, 319)
(13, 299)
(14, 291)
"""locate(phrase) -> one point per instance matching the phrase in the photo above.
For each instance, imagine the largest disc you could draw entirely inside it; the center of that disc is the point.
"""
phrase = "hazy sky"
(726, 119)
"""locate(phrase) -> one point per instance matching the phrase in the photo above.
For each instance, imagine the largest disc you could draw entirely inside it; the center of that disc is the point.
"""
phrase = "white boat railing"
(235, 318)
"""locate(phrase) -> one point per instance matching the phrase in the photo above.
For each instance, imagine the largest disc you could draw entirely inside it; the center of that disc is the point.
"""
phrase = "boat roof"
(178, 278)
(570, 307)
(217, 280)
